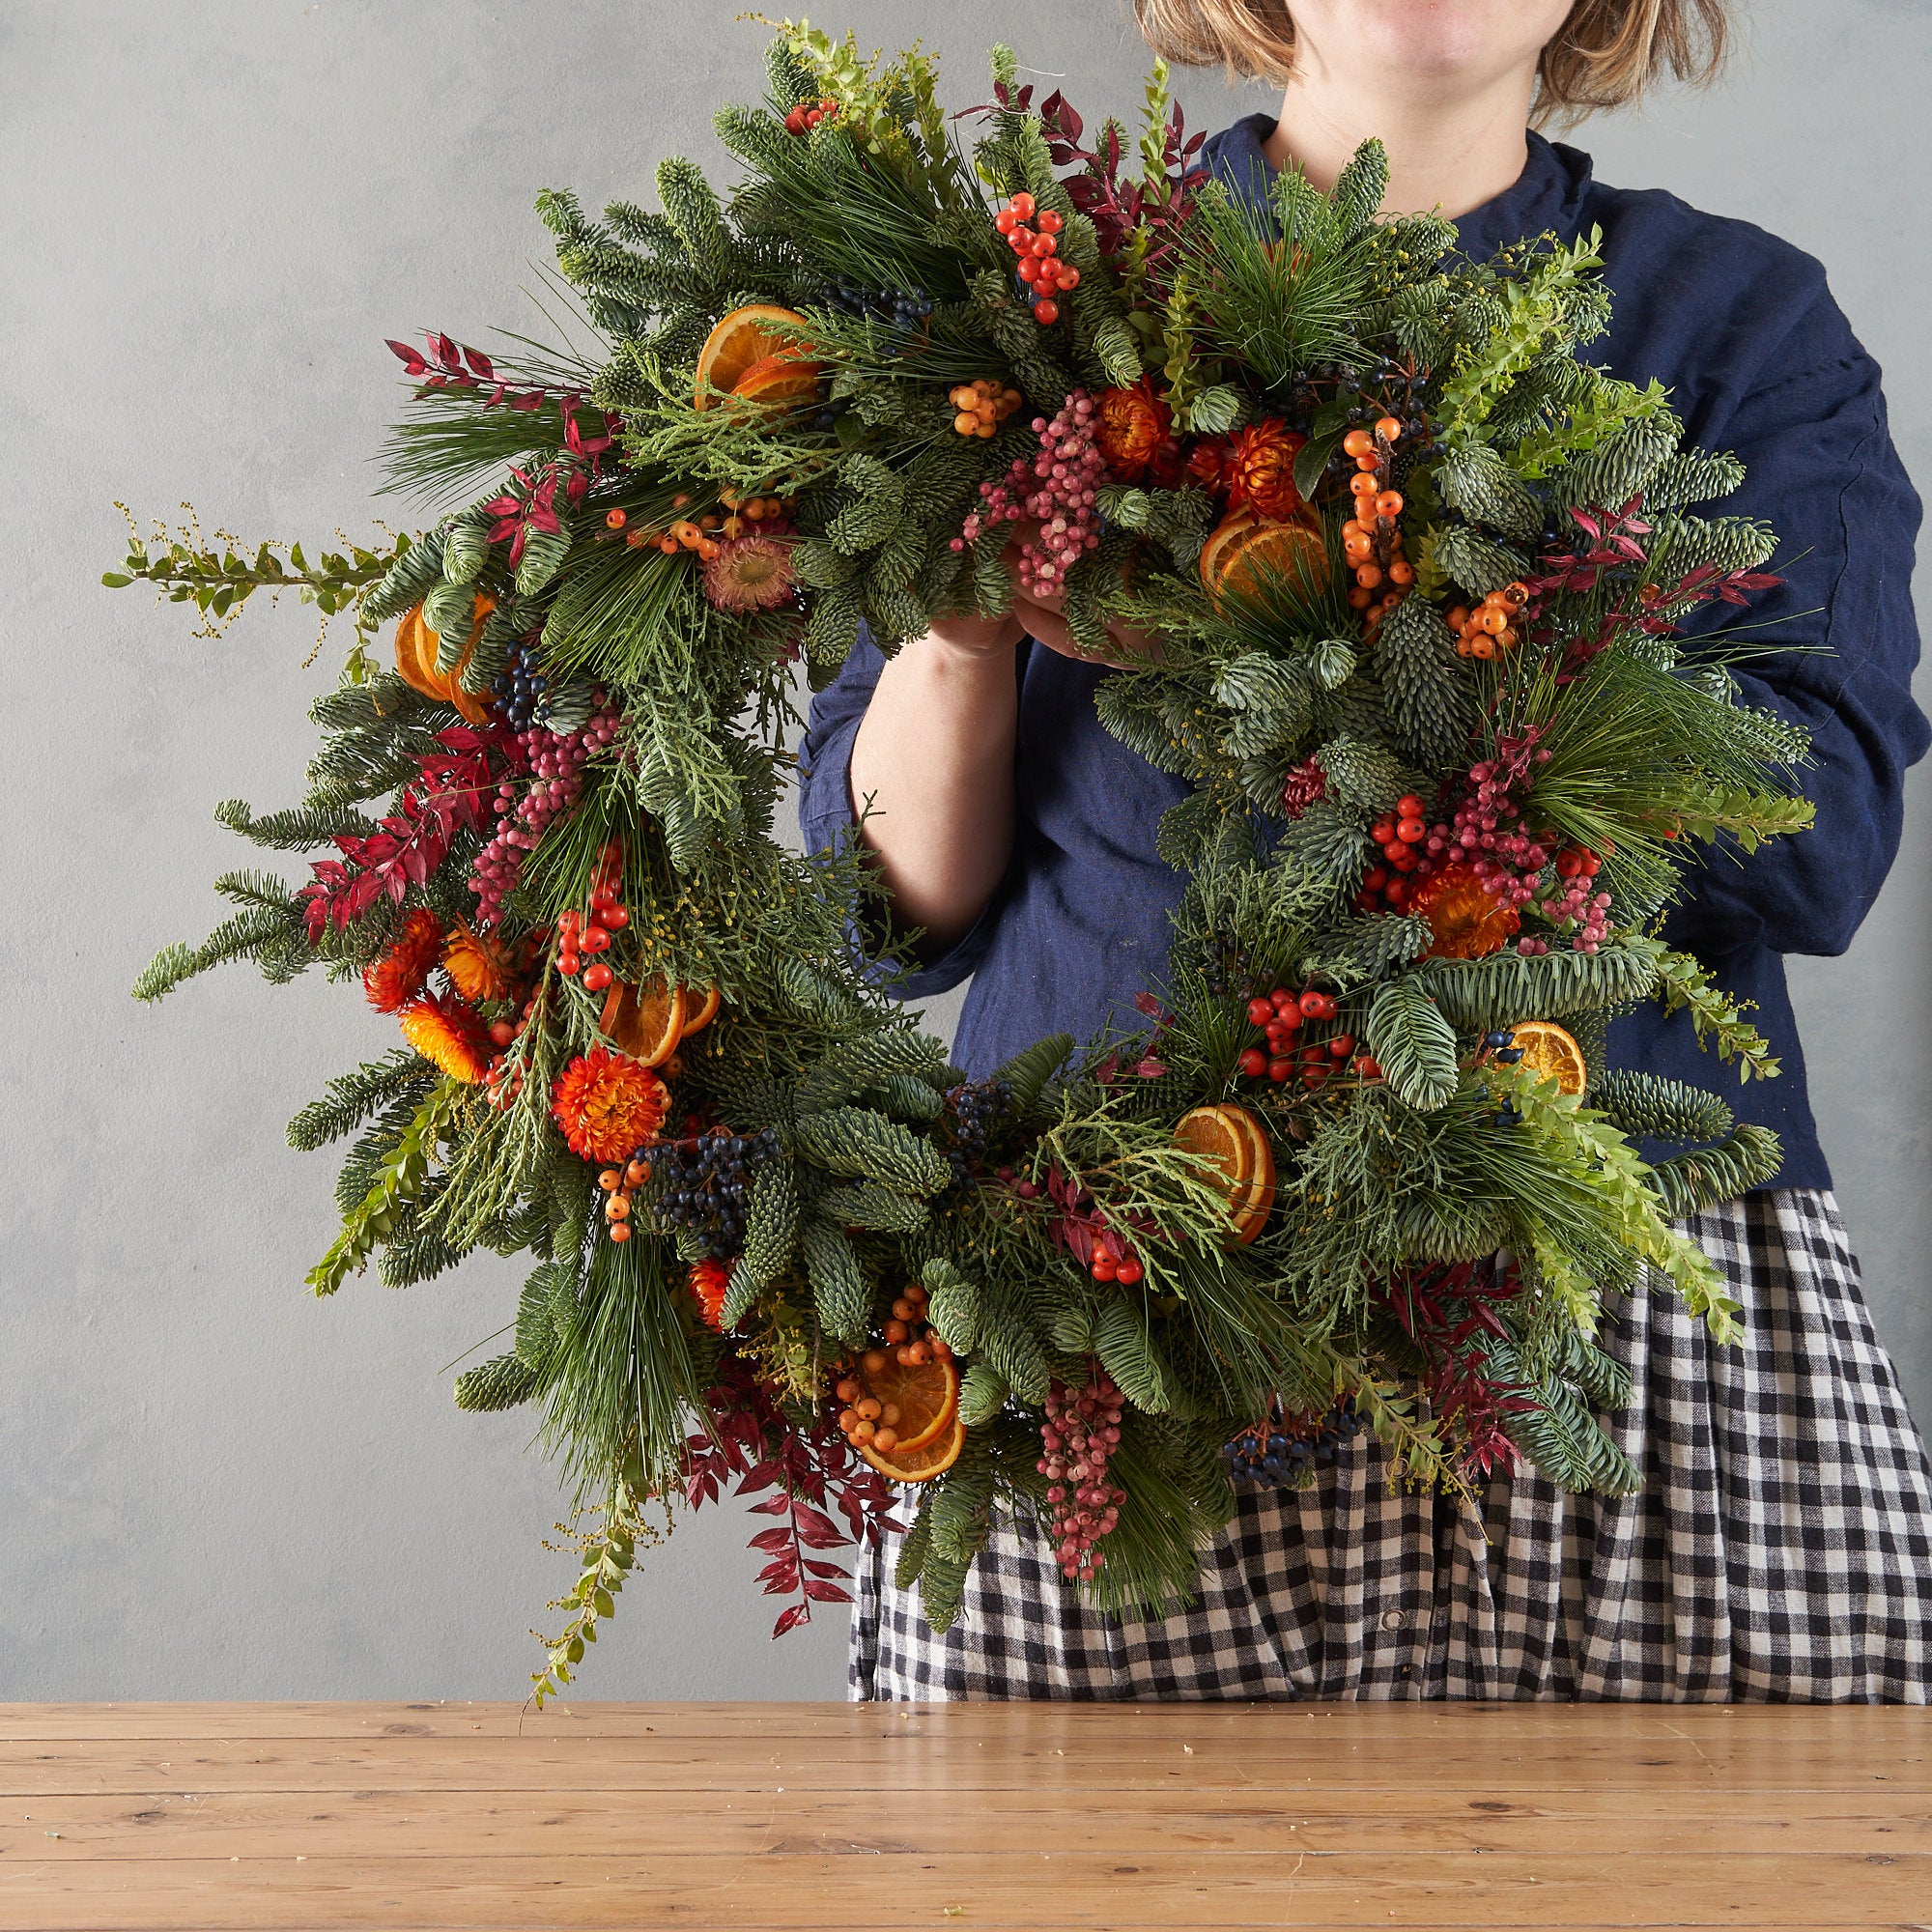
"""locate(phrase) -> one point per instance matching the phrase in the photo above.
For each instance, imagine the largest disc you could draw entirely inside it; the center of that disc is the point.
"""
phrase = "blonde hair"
(1607, 53)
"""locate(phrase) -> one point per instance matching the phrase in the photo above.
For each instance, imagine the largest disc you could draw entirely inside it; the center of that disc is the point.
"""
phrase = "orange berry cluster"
(618, 1185)
(1369, 538)
(984, 405)
(704, 532)
(1038, 251)
(1490, 629)
(910, 1342)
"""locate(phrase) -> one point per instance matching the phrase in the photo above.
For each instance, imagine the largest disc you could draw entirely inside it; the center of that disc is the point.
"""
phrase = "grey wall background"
(213, 212)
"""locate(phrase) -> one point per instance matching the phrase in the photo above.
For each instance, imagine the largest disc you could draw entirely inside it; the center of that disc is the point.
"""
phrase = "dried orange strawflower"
(608, 1105)
(448, 1035)
(394, 979)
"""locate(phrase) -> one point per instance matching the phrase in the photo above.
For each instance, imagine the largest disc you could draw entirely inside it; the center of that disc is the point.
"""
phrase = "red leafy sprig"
(447, 364)
(414, 839)
(753, 1444)
(1616, 544)
(1449, 1312)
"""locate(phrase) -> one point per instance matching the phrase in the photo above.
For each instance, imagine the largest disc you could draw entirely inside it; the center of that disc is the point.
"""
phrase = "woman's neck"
(1449, 149)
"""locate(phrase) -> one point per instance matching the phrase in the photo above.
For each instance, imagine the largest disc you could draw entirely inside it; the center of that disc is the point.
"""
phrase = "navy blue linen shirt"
(1759, 360)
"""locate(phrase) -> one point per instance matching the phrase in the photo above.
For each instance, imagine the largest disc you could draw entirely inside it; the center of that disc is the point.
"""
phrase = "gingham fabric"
(1780, 1550)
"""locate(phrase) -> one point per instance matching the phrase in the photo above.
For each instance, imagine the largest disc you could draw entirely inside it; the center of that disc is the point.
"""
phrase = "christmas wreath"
(1421, 572)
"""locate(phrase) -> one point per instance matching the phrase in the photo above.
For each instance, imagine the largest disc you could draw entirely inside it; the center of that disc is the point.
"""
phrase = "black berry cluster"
(901, 307)
(703, 1181)
(973, 1113)
(1284, 1448)
(520, 689)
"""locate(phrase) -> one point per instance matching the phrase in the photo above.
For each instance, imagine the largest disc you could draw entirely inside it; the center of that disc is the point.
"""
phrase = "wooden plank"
(511, 1825)
(1785, 1764)
(1362, 1721)
(490, 1818)
(795, 1892)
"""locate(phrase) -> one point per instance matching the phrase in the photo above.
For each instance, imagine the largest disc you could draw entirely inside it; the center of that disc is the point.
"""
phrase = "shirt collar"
(1549, 193)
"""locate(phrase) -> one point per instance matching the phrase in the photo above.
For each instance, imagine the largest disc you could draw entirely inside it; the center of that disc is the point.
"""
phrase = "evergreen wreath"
(1420, 570)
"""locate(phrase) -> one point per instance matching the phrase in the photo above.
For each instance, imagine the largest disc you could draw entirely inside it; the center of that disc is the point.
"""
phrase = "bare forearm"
(934, 761)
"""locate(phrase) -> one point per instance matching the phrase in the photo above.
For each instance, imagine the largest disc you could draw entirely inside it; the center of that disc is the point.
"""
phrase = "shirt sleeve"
(1839, 645)
(828, 823)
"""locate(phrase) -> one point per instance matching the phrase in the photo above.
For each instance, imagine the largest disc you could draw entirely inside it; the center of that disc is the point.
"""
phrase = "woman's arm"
(1842, 645)
(931, 776)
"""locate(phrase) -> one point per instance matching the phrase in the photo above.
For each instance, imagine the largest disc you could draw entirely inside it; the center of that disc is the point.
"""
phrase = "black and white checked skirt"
(1780, 1550)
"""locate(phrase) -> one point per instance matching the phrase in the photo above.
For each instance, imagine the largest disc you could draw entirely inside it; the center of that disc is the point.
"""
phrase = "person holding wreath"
(1780, 1546)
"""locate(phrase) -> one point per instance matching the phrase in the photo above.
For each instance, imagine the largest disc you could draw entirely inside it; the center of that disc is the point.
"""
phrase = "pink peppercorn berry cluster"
(1488, 835)
(1575, 899)
(1040, 267)
(1081, 1432)
(1058, 490)
(556, 761)
(1281, 1015)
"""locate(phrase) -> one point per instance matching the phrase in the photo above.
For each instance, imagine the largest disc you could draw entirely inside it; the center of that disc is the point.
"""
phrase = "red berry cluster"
(1401, 834)
(1040, 268)
(1280, 1014)
(577, 935)
(808, 114)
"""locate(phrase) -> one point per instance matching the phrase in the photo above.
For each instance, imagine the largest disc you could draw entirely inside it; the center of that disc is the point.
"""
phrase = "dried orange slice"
(777, 379)
(1246, 552)
(1235, 1146)
(474, 708)
(926, 1394)
(1221, 1145)
(644, 1021)
(416, 647)
(415, 669)
(919, 1466)
(697, 1021)
(1552, 1054)
(1257, 1199)
(736, 342)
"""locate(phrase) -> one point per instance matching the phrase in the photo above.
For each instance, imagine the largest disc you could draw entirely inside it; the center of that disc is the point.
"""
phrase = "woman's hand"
(1040, 617)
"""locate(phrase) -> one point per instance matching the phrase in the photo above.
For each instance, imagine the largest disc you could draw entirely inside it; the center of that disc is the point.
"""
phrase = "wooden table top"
(298, 1816)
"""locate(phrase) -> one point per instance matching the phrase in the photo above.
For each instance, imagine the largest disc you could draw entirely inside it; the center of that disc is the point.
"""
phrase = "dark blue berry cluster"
(973, 1111)
(521, 690)
(1283, 1450)
(702, 1184)
(901, 307)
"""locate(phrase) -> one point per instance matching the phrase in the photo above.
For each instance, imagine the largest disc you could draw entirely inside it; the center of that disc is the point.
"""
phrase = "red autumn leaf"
(777, 1537)
(799, 1613)
(825, 1593)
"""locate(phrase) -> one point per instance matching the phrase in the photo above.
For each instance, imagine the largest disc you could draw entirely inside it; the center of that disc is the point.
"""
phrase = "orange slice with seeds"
(1246, 555)
(697, 1021)
(926, 1394)
(1552, 1054)
(644, 1021)
(919, 1465)
(737, 341)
